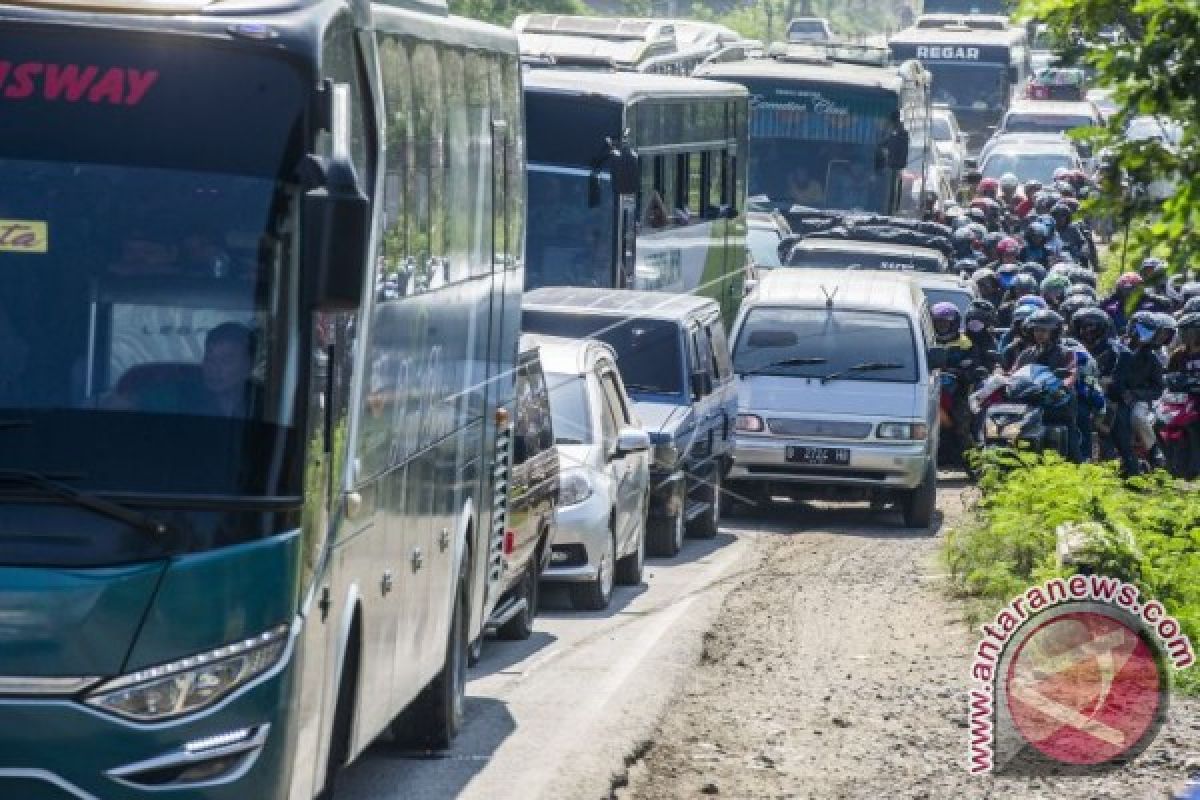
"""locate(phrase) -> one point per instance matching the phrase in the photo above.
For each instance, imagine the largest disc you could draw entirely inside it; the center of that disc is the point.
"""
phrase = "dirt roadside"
(838, 668)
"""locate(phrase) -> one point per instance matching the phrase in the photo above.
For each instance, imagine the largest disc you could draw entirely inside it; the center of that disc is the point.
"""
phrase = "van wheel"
(436, 716)
(708, 524)
(631, 567)
(595, 595)
(918, 504)
(520, 627)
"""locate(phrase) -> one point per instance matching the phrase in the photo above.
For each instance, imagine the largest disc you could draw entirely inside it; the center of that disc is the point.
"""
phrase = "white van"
(837, 394)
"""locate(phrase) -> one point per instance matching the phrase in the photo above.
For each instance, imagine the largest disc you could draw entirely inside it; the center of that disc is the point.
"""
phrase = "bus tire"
(435, 717)
(343, 716)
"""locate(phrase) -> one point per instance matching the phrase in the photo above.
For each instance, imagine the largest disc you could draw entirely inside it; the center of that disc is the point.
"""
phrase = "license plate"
(819, 455)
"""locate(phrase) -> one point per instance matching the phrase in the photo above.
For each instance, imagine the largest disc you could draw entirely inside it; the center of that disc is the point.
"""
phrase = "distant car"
(600, 537)
(674, 359)
(810, 29)
(1033, 116)
(1041, 59)
(764, 231)
(951, 144)
(945, 289)
(1030, 159)
(837, 394)
(533, 496)
(817, 253)
(1057, 83)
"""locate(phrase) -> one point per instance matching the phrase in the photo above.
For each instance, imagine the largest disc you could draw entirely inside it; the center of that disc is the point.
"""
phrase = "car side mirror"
(936, 357)
(632, 440)
(701, 383)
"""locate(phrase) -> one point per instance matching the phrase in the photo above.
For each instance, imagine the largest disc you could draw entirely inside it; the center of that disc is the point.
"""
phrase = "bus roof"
(626, 88)
(886, 78)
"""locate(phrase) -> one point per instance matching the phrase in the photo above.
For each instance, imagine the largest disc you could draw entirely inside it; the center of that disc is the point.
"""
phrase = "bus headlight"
(190, 684)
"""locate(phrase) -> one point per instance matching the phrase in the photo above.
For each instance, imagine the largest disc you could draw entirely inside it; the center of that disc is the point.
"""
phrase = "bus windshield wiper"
(806, 361)
(866, 366)
(84, 500)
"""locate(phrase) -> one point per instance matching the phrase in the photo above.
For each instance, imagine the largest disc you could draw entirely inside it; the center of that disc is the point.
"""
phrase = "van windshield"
(648, 350)
(814, 343)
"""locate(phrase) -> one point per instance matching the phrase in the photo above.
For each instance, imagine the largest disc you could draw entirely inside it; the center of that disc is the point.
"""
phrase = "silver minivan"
(837, 391)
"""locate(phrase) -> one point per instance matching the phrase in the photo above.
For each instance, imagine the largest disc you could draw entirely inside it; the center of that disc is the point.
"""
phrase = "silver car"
(605, 472)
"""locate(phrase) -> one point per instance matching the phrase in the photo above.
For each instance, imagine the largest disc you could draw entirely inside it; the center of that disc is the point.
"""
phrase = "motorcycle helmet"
(1054, 289)
(947, 321)
(1192, 306)
(1061, 173)
(1072, 204)
(1091, 325)
(1023, 285)
(1037, 234)
(1033, 301)
(1019, 315)
(1082, 290)
(1166, 330)
(988, 188)
(1082, 276)
(1032, 187)
(1189, 330)
(1008, 247)
(990, 244)
(1044, 202)
(1143, 327)
(1009, 183)
(980, 230)
(1047, 219)
(1061, 212)
(1073, 304)
(1065, 190)
(1127, 283)
(1153, 271)
(1189, 290)
(985, 281)
(1047, 320)
(1006, 274)
(981, 316)
(977, 216)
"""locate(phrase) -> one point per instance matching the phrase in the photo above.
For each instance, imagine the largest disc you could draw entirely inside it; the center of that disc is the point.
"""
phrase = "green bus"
(263, 265)
(636, 182)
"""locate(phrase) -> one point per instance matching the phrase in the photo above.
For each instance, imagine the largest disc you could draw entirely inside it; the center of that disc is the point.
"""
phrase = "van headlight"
(190, 684)
(902, 431)
(574, 486)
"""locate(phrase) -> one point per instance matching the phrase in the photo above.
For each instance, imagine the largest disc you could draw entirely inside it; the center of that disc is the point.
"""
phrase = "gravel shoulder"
(839, 668)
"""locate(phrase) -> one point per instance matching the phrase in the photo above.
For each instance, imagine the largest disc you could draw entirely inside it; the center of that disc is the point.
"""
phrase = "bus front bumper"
(58, 748)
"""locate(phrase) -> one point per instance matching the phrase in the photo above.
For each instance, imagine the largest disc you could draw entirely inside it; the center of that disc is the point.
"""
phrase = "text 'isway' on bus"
(252, 463)
(636, 182)
(827, 134)
(976, 70)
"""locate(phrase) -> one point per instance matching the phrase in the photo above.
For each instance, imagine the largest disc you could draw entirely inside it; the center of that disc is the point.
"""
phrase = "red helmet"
(988, 187)
(1008, 246)
(1128, 282)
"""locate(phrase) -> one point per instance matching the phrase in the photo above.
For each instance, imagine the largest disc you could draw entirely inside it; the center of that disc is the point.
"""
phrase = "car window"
(616, 399)
(648, 350)
(541, 419)
(942, 130)
(570, 409)
(763, 244)
(720, 349)
(522, 423)
(960, 298)
(814, 342)
(701, 359)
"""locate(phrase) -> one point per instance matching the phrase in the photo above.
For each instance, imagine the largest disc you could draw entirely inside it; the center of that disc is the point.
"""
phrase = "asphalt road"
(557, 715)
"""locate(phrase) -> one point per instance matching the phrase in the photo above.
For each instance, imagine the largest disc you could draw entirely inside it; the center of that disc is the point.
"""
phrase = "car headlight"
(749, 423)
(190, 684)
(908, 431)
(574, 486)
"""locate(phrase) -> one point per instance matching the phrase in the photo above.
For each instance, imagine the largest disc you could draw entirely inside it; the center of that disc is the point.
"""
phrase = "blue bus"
(263, 266)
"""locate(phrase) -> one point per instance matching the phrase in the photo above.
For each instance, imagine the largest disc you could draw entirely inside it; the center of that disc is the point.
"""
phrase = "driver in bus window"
(803, 189)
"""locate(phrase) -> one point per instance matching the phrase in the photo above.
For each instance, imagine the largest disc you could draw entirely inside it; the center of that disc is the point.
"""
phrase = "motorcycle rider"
(1017, 339)
(1136, 378)
(987, 285)
(1155, 274)
(961, 364)
(1054, 290)
(1183, 373)
(1037, 247)
(1046, 328)
(1073, 239)
(1010, 197)
(1025, 207)
(979, 326)
(1021, 286)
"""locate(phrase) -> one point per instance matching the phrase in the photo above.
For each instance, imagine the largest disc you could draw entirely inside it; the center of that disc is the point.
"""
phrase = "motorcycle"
(1178, 424)
(956, 435)
(1015, 406)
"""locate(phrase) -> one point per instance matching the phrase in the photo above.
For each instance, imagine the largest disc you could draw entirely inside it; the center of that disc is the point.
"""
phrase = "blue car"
(674, 359)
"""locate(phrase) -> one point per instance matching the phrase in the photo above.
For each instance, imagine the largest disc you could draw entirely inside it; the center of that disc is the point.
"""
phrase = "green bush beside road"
(1147, 532)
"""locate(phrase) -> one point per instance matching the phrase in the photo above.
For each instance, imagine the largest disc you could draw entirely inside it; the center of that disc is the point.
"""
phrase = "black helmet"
(984, 278)
(1045, 320)
(1144, 327)
(1019, 315)
(1090, 325)
(1073, 305)
(981, 315)
(1024, 284)
(1153, 270)
(1061, 212)
(1082, 290)
(1081, 275)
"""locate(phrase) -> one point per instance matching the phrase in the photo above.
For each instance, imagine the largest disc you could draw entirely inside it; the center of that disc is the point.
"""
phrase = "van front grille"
(821, 428)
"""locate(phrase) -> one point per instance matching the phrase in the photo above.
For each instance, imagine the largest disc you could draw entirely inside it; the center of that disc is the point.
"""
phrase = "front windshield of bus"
(816, 145)
(977, 87)
(569, 241)
(147, 311)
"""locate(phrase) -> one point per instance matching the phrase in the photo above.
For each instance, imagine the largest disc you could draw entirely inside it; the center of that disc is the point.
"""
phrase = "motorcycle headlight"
(574, 486)
(190, 684)
(909, 431)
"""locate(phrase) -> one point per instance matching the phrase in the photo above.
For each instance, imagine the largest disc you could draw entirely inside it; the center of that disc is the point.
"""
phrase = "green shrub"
(1147, 533)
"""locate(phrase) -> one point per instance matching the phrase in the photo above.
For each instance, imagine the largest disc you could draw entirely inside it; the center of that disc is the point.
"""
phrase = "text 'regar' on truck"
(257, 322)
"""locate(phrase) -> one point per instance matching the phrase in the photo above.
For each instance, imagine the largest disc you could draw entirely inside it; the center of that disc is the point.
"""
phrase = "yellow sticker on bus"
(23, 236)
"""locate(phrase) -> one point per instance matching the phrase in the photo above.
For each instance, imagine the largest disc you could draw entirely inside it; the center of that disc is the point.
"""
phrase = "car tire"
(666, 535)
(520, 627)
(596, 594)
(919, 503)
(708, 524)
(631, 568)
(433, 720)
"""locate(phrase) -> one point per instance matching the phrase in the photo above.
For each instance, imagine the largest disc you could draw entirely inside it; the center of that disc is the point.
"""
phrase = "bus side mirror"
(338, 225)
(896, 150)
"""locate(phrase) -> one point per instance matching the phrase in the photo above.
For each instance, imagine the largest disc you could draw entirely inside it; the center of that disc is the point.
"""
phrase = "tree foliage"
(1155, 71)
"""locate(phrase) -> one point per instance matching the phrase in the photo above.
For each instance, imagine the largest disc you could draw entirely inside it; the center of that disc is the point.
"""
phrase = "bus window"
(455, 168)
(712, 200)
(695, 186)
(479, 162)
